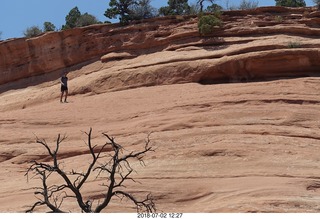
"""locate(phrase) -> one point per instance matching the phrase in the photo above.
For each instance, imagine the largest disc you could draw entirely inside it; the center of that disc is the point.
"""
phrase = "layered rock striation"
(259, 44)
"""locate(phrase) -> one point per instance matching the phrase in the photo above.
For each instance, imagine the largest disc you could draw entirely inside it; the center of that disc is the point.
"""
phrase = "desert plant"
(248, 4)
(175, 7)
(194, 9)
(200, 3)
(86, 20)
(72, 18)
(214, 8)
(108, 161)
(143, 10)
(32, 32)
(207, 23)
(76, 19)
(48, 26)
(290, 3)
(306, 13)
(244, 5)
(121, 9)
(278, 18)
(317, 2)
(293, 45)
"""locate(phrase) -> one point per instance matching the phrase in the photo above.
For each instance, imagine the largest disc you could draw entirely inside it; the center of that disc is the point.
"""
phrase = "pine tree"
(72, 18)
(121, 9)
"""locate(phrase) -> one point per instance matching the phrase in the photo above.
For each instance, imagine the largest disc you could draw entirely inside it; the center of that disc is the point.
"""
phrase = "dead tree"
(116, 170)
(200, 2)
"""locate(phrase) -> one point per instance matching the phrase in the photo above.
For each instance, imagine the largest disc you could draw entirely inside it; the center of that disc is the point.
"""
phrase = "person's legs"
(61, 96)
(64, 91)
(66, 96)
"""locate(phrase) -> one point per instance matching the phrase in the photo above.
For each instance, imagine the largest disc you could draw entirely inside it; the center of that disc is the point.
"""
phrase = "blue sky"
(17, 15)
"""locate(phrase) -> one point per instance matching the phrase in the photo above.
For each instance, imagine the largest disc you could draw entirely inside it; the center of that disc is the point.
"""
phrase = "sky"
(17, 15)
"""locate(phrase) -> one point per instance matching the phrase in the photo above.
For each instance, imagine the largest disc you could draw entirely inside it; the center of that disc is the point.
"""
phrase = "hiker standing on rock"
(64, 87)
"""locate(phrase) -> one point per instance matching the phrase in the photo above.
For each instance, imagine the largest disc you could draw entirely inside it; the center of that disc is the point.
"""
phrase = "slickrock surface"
(247, 146)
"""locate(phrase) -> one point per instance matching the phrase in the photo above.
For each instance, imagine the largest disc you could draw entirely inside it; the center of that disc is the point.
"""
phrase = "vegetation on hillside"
(130, 10)
(143, 10)
(120, 9)
(207, 23)
(48, 26)
(317, 2)
(247, 4)
(76, 19)
(290, 3)
(73, 19)
(32, 31)
(175, 7)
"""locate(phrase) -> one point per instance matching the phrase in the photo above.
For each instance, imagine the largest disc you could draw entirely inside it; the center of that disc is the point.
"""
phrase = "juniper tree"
(175, 7)
(121, 9)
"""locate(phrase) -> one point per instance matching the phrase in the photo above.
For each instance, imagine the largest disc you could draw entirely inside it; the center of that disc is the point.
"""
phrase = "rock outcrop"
(252, 45)
(22, 58)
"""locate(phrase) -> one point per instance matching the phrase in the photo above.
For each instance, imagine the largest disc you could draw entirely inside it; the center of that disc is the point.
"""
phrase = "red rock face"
(23, 58)
(28, 57)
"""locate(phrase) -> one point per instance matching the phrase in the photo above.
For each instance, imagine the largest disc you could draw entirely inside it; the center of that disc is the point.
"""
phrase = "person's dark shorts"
(63, 88)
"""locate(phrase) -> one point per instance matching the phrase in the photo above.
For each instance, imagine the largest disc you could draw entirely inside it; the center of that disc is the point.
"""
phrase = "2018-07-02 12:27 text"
(159, 215)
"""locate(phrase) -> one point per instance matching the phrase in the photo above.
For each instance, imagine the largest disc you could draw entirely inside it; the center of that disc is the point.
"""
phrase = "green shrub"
(86, 20)
(292, 45)
(207, 23)
(215, 10)
(32, 32)
(48, 26)
(278, 18)
(291, 3)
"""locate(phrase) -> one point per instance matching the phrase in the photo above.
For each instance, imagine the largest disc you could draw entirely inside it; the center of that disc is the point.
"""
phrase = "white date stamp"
(159, 215)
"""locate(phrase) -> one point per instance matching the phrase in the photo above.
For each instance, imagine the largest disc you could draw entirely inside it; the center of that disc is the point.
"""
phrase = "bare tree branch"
(117, 170)
(95, 157)
(145, 205)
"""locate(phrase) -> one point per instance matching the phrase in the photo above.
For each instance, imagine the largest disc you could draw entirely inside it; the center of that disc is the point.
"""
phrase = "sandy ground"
(243, 147)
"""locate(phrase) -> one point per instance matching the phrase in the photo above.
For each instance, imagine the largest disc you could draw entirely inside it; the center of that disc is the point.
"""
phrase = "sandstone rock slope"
(234, 116)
